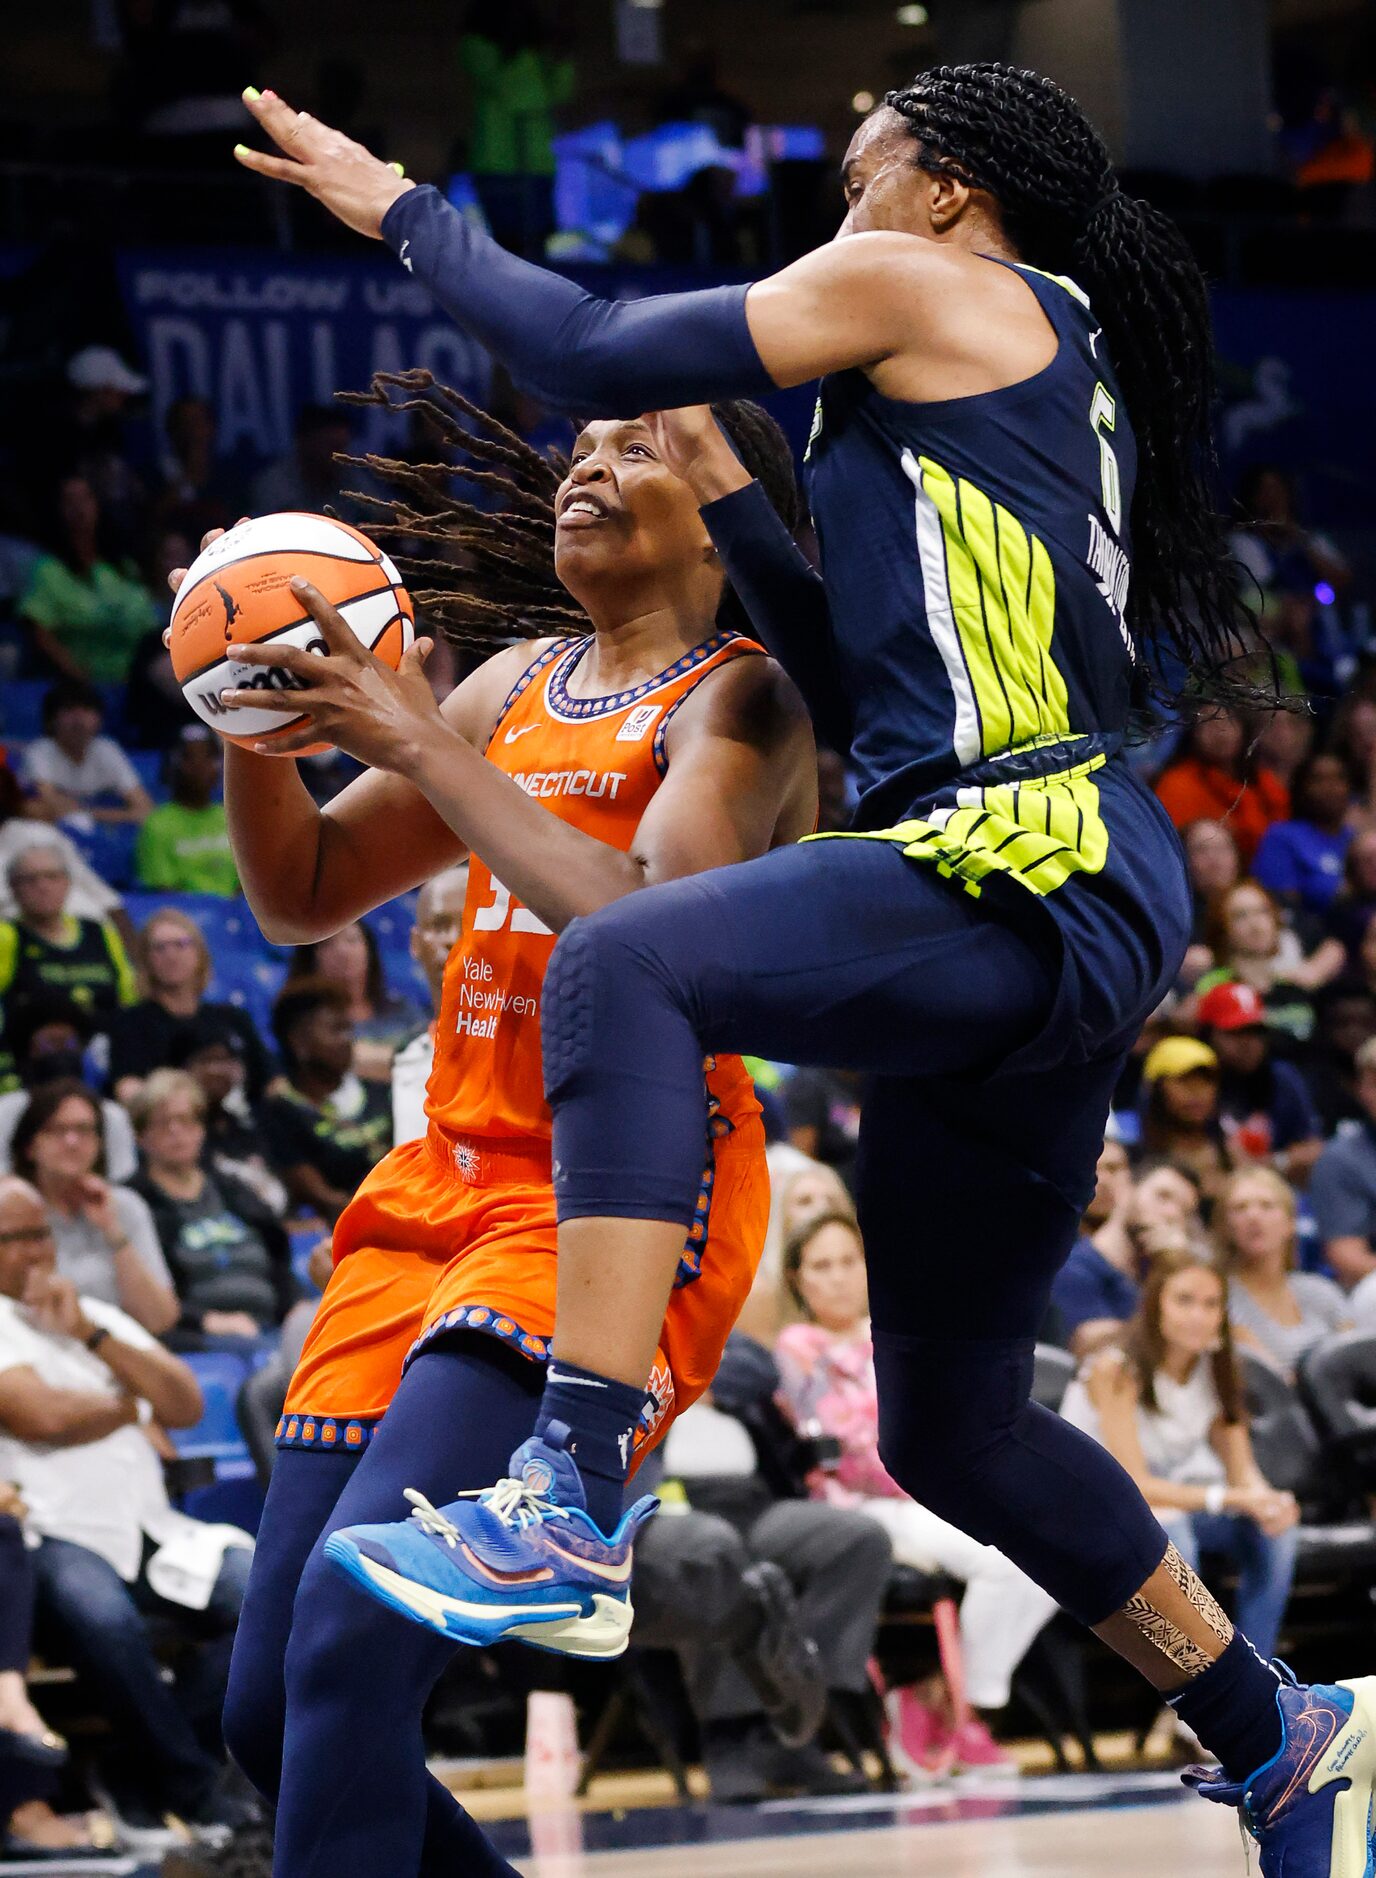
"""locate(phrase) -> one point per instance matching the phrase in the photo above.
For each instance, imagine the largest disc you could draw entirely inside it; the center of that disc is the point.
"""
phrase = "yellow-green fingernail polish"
(400, 168)
(241, 149)
(252, 93)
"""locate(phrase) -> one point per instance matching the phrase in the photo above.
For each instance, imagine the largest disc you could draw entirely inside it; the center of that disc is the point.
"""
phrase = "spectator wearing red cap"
(1301, 860)
(1263, 1104)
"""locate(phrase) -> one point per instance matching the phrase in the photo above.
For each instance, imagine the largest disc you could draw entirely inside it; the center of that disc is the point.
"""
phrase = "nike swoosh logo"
(614, 1574)
(524, 731)
(577, 1382)
(405, 258)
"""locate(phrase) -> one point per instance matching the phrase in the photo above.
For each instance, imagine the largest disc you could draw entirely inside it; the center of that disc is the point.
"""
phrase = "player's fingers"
(175, 578)
(334, 630)
(167, 636)
(288, 703)
(297, 740)
(280, 169)
(294, 659)
(414, 657)
(286, 127)
(213, 534)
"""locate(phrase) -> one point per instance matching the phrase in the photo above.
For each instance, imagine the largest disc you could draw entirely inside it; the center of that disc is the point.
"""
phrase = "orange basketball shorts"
(449, 1235)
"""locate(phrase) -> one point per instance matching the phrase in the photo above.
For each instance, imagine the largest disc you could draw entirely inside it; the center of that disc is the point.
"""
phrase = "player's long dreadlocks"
(1021, 138)
(500, 583)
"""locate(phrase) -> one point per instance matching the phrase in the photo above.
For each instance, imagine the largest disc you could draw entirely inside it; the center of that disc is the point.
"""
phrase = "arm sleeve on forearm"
(786, 601)
(607, 358)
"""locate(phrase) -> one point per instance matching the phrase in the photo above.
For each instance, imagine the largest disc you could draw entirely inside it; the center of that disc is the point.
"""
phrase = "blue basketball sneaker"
(519, 1560)
(1310, 1808)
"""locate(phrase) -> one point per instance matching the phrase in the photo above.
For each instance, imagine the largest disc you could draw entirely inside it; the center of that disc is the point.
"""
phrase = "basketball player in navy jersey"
(1008, 476)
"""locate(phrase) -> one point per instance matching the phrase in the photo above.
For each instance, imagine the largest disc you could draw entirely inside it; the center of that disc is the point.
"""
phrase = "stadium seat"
(21, 715)
(1284, 1438)
(217, 1434)
(1052, 1374)
(149, 766)
(1337, 1379)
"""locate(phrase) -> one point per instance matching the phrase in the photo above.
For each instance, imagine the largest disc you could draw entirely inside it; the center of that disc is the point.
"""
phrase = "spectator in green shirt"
(183, 847)
(518, 81)
(84, 613)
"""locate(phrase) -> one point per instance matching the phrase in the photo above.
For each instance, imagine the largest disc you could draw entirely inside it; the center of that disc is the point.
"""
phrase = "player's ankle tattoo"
(1165, 1636)
(1199, 1595)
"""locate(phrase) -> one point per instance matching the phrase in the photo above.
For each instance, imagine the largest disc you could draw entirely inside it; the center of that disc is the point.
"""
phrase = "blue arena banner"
(262, 335)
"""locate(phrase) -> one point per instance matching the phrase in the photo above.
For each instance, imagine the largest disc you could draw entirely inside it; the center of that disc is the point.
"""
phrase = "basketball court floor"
(1070, 1826)
(1076, 1826)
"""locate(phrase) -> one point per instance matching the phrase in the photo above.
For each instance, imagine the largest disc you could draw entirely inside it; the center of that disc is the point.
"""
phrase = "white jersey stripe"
(967, 738)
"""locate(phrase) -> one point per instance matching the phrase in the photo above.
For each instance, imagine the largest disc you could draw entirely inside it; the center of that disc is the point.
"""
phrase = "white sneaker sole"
(562, 1629)
(1351, 1757)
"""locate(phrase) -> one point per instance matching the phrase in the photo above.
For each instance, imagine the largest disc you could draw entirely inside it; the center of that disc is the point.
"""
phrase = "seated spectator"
(229, 1258)
(105, 1237)
(1345, 1017)
(439, 923)
(827, 1384)
(1351, 908)
(45, 948)
(381, 1021)
(1264, 1104)
(1169, 1408)
(1096, 1291)
(1166, 1201)
(48, 1035)
(1301, 861)
(309, 477)
(155, 711)
(325, 1129)
(1213, 777)
(716, 1567)
(84, 612)
(1213, 864)
(823, 1111)
(79, 1384)
(1180, 1119)
(1276, 1310)
(1342, 1188)
(31, 1755)
(199, 489)
(88, 897)
(214, 1059)
(183, 847)
(1251, 943)
(174, 970)
(73, 770)
(799, 1189)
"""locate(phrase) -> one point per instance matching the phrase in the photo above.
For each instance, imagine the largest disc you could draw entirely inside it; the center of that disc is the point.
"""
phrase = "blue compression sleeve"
(787, 603)
(607, 358)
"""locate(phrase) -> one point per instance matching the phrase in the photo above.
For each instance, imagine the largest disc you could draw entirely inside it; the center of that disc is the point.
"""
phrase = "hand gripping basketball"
(349, 698)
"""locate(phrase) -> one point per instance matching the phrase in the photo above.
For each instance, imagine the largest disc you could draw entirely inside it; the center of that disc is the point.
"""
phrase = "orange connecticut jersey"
(596, 763)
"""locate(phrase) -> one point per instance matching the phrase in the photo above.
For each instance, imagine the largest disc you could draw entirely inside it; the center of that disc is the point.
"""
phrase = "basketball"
(238, 590)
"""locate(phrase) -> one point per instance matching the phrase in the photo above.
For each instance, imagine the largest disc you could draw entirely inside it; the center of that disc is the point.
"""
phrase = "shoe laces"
(431, 1520)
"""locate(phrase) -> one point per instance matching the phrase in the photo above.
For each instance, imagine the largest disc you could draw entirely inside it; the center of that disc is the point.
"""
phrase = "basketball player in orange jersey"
(659, 744)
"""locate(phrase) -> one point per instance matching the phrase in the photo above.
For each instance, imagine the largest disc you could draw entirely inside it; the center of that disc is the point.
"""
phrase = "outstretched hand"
(350, 181)
(349, 698)
(692, 444)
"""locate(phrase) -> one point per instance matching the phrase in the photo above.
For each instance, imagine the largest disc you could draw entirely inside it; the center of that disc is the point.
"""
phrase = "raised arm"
(856, 302)
(780, 590)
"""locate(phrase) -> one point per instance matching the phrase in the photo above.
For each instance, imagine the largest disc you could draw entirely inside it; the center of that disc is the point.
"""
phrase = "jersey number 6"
(1103, 414)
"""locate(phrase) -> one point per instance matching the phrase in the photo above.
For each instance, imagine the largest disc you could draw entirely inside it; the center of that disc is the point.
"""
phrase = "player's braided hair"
(1027, 143)
(490, 578)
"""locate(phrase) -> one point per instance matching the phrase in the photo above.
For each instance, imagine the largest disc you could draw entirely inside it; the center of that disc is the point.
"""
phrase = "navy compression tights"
(327, 1687)
(970, 1190)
